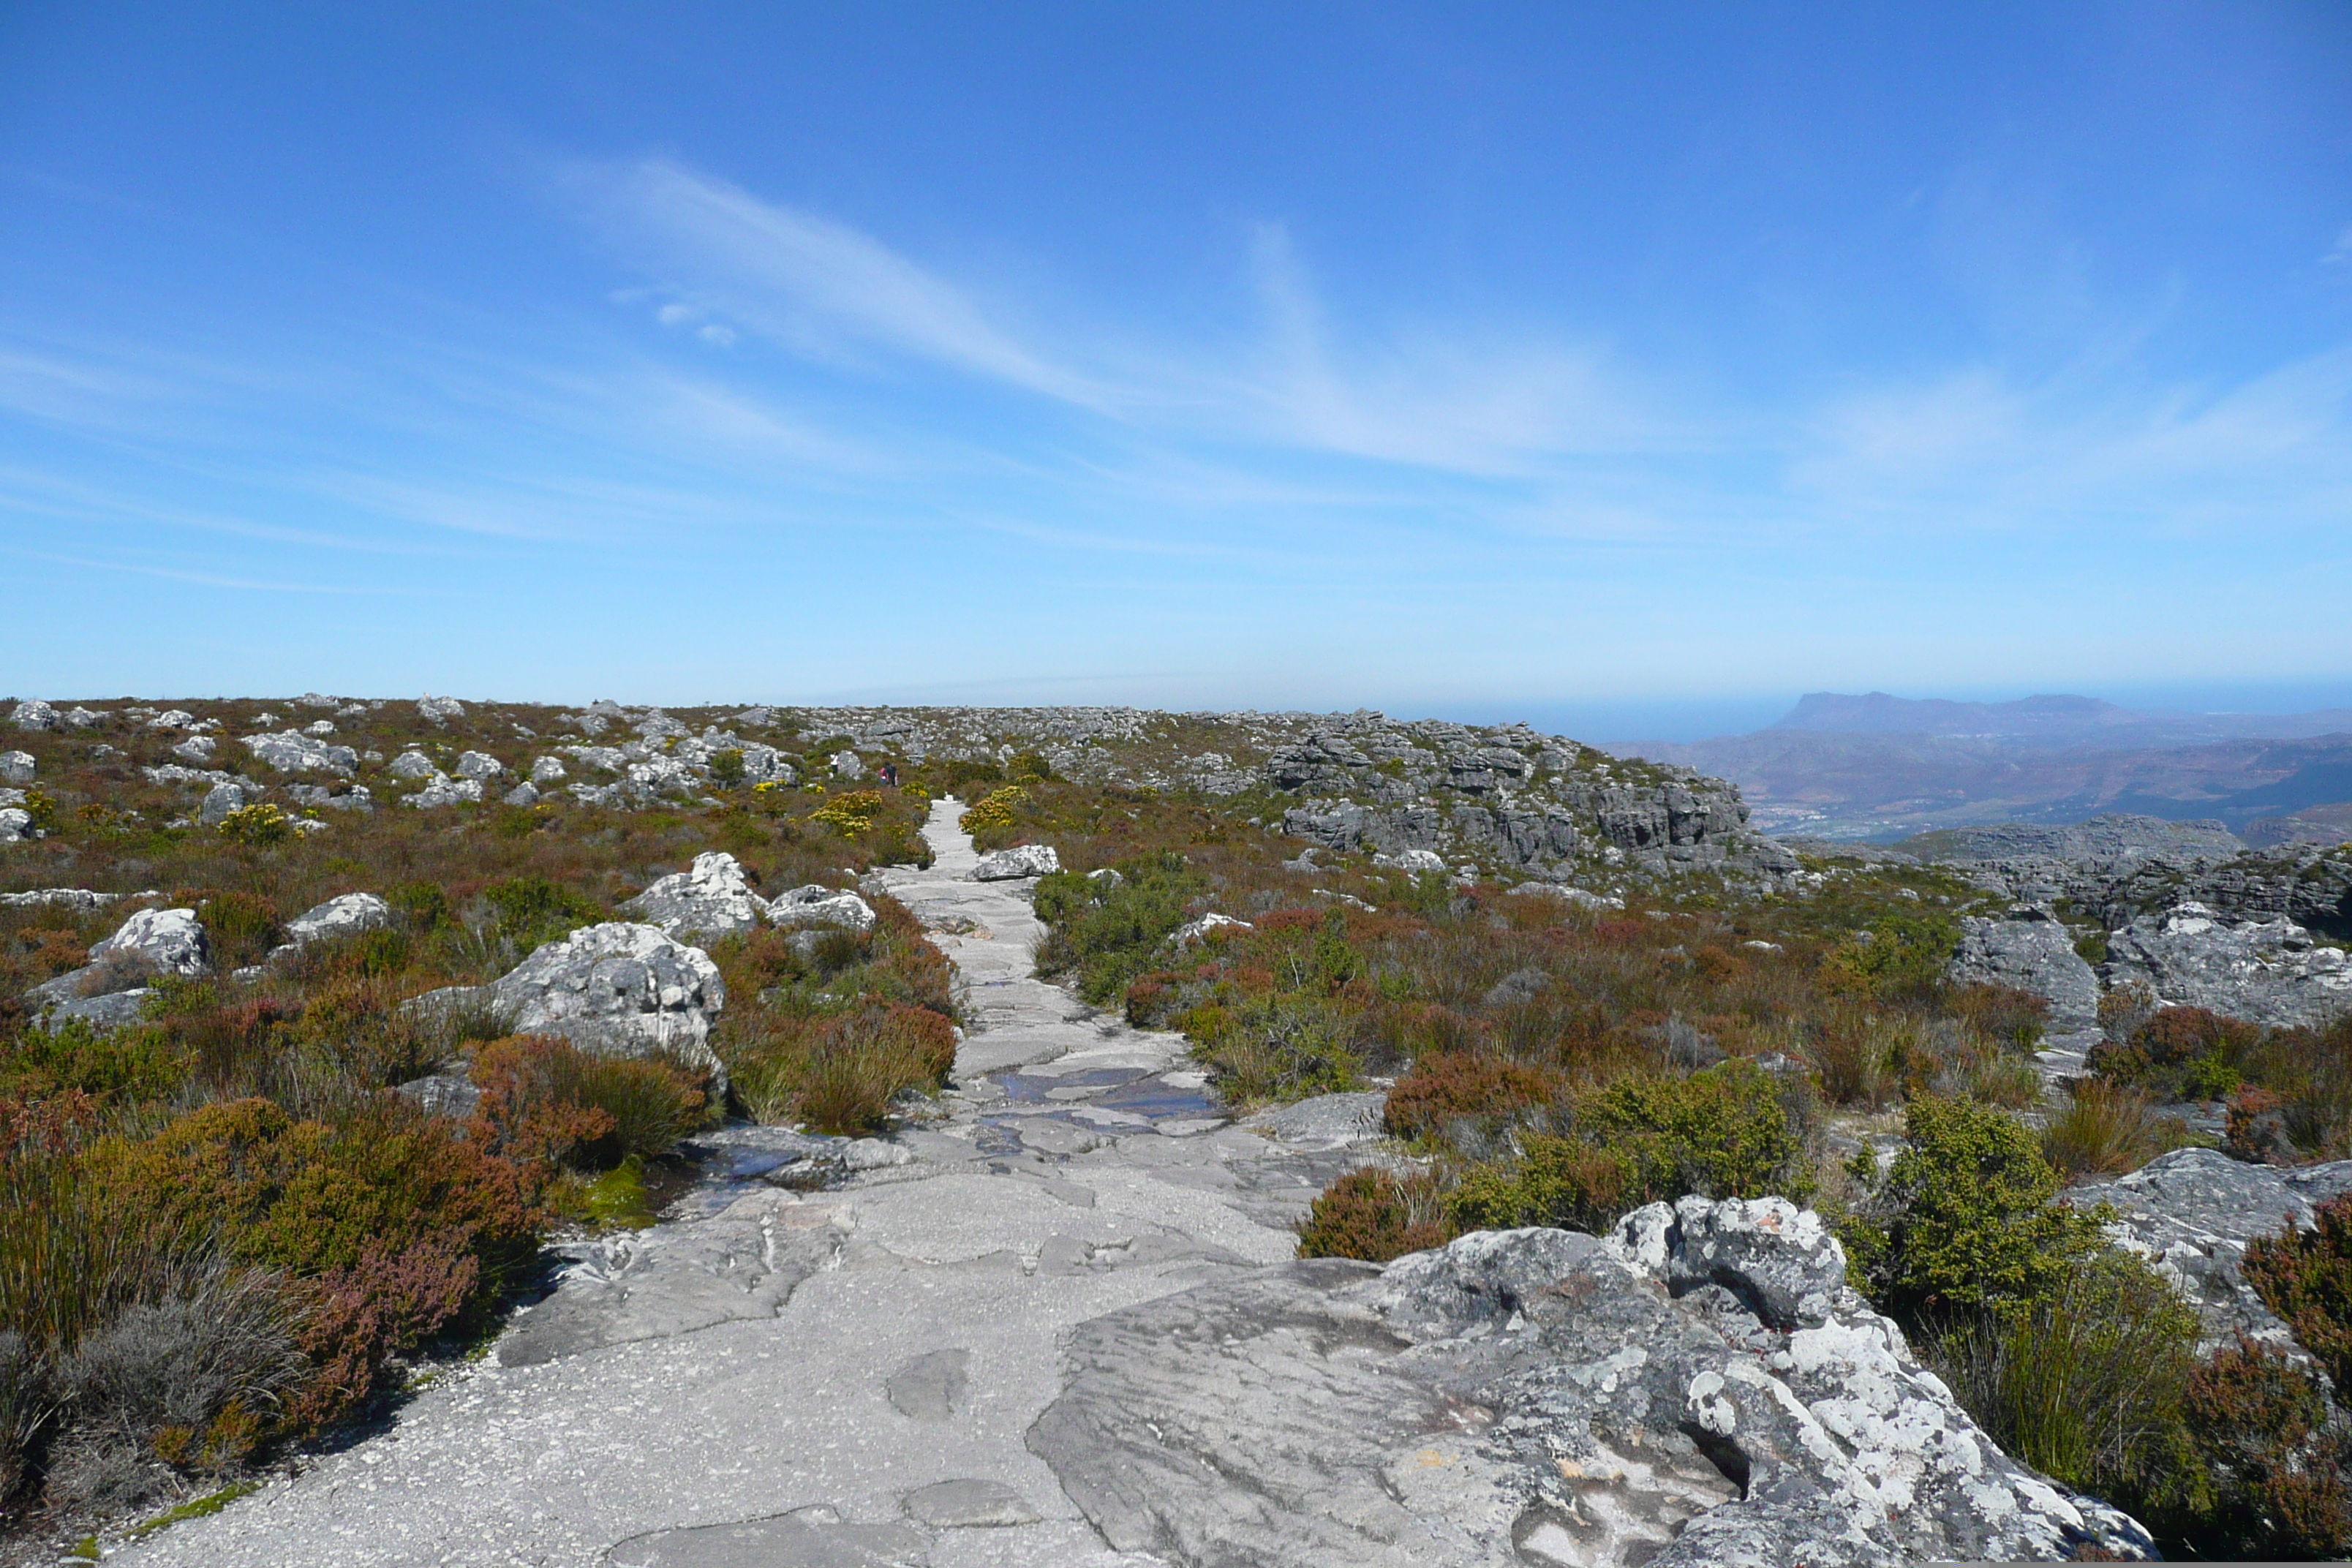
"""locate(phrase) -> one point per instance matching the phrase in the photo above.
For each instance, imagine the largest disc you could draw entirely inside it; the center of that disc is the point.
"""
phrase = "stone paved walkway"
(843, 1377)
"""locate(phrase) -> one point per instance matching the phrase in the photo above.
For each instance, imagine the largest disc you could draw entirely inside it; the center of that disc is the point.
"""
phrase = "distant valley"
(1881, 768)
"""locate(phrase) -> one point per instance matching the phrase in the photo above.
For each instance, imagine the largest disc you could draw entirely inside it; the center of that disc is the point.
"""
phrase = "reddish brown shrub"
(2306, 1277)
(1456, 1086)
(1375, 1214)
(2278, 1463)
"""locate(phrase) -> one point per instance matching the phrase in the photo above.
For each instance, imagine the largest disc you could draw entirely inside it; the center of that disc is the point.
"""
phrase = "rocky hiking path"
(845, 1374)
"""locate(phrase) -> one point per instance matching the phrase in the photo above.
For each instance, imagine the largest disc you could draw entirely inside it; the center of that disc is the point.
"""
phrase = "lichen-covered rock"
(617, 989)
(478, 765)
(196, 748)
(16, 826)
(290, 751)
(1700, 1388)
(169, 941)
(850, 766)
(16, 767)
(712, 899)
(33, 715)
(1191, 932)
(818, 905)
(547, 771)
(2030, 951)
(2190, 1213)
(2271, 971)
(1020, 860)
(341, 916)
(440, 709)
(443, 790)
(219, 800)
(523, 794)
(412, 765)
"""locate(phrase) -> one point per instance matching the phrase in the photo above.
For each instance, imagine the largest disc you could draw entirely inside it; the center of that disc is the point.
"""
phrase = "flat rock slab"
(789, 1541)
(970, 1505)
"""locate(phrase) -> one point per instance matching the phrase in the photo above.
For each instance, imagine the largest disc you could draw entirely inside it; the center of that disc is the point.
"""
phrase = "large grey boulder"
(658, 776)
(150, 943)
(168, 941)
(547, 771)
(2271, 971)
(2030, 951)
(290, 751)
(440, 709)
(712, 899)
(16, 826)
(478, 765)
(33, 715)
(850, 766)
(1700, 1388)
(16, 767)
(818, 905)
(411, 764)
(618, 989)
(219, 800)
(2190, 1213)
(1020, 860)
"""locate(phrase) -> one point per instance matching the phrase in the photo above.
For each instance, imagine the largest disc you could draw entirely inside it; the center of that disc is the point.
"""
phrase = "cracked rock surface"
(1700, 1387)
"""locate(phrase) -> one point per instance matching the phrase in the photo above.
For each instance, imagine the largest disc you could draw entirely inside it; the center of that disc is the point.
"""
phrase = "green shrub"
(1108, 936)
(241, 927)
(532, 910)
(391, 1225)
(1901, 956)
(2107, 1129)
(1963, 1219)
(1275, 1050)
(1732, 1131)
(2181, 1053)
(841, 1072)
(137, 1063)
(2086, 1383)
(727, 767)
(424, 905)
(1376, 1215)
(258, 826)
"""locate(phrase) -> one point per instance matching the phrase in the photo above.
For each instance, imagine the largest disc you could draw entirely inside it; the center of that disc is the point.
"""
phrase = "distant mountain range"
(1880, 768)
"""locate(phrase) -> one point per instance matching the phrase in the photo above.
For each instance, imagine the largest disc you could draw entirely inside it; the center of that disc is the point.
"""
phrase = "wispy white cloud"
(807, 281)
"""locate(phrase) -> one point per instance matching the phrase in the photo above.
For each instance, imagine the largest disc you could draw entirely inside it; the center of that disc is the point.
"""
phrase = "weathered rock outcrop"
(2119, 868)
(2030, 951)
(818, 905)
(290, 752)
(2271, 971)
(619, 990)
(1702, 1387)
(2190, 1213)
(1534, 801)
(1020, 860)
(712, 899)
(342, 916)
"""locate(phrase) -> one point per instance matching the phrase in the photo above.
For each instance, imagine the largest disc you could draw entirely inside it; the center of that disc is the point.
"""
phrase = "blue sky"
(1615, 364)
